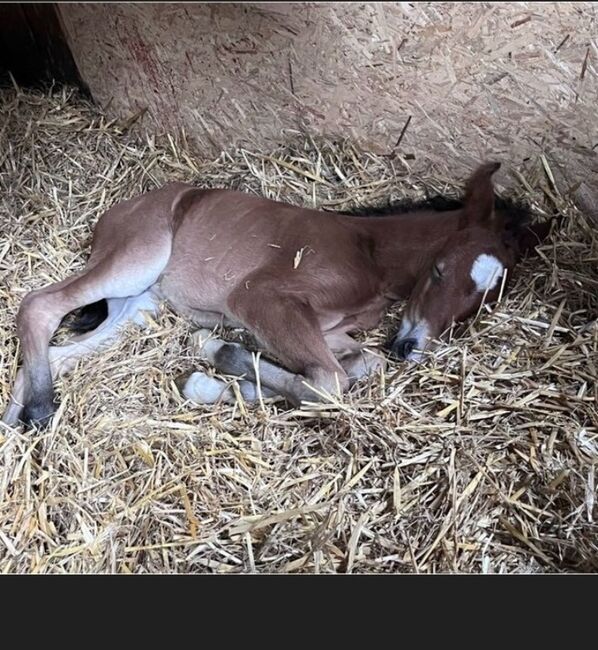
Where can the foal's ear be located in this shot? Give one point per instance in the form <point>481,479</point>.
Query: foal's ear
<point>478,206</point>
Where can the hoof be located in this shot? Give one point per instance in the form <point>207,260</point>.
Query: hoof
<point>38,414</point>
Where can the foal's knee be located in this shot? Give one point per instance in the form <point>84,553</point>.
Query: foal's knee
<point>37,310</point>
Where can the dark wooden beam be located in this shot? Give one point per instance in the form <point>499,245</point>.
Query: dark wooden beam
<point>34,48</point>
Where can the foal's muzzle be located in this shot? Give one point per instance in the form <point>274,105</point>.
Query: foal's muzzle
<point>401,348</point>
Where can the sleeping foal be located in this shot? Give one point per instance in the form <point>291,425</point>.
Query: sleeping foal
<point>299,280</point>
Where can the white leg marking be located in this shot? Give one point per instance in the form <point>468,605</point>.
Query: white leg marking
<point>206,345</point>
<point>203,389</point>
<point>200,388</point>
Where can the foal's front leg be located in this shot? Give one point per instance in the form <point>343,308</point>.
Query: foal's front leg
<point>201,388</point>
<point>234,359</point>
<point>288,328</point>
<point>355,359</point>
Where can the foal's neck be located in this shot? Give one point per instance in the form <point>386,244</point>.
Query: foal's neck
<point>403,244</point>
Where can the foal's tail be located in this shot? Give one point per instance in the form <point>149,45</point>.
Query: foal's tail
<point>88,317</point>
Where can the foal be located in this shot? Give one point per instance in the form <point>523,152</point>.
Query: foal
<point>299,280</point>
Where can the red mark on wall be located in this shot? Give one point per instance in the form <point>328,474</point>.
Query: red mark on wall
<point>158,80</point>
<point>141,53</point>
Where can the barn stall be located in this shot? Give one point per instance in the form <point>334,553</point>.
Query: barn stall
<point>480,460</point>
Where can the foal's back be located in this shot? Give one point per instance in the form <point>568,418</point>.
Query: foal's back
<point>222,239</point>
<point>257,230</point>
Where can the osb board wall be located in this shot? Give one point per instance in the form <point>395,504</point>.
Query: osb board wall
<point>471,80</point>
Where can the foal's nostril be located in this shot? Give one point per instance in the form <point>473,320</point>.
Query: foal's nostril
<point>388,345</point>
<point>404,347</point>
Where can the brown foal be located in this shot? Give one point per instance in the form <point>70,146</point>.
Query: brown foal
<point>299,280</point>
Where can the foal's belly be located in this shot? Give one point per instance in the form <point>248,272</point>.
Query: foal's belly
<point>191,291</point>
<point>201,272</point>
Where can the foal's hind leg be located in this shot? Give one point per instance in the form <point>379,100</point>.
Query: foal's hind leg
<point>121,274</point>
<point>64,357</point>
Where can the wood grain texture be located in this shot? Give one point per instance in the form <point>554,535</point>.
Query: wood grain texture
<point>471,80</point>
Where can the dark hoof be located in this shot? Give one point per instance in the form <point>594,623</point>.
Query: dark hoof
<point>232,359</point>
<point>38,414</point>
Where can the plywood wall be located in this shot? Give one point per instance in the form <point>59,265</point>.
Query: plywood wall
<point>471,80</point>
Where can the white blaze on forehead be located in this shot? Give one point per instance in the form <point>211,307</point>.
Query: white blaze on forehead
<point>486,272</point>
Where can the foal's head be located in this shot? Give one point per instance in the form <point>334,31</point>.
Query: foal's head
<point>469,269</point>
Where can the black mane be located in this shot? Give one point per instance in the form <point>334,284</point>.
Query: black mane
<point>438,203</point>
<point>518,213</point>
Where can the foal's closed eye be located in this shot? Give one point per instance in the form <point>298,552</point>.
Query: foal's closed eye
<point>436,272</point>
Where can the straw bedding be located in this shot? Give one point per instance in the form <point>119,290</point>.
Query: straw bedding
<point>483,459</point>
